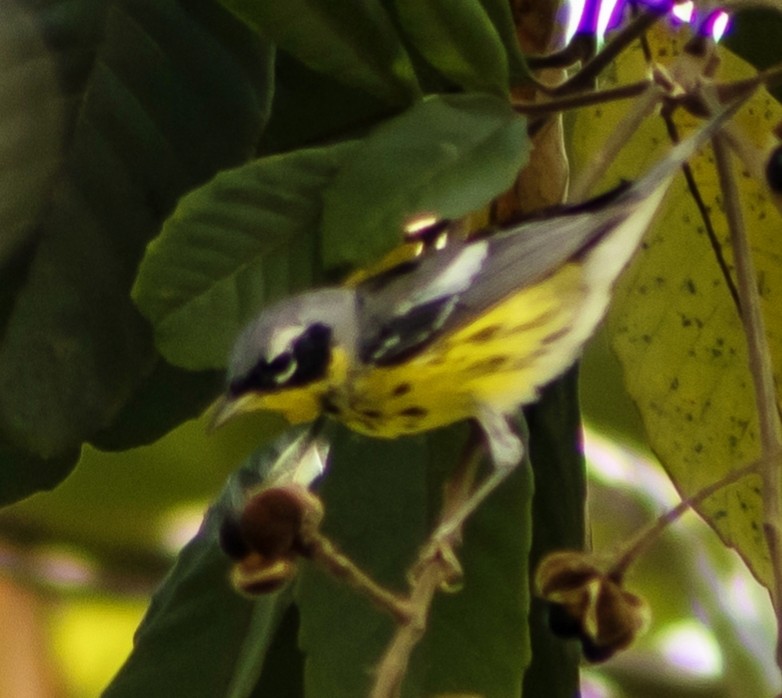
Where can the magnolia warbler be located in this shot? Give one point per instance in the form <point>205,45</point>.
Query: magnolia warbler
<point>472,330</point>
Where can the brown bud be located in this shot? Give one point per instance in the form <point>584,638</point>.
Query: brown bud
<point>587,603</point>
<point>267,536</point>
<point>273,520</point>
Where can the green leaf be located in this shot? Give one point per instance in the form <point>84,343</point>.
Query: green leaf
<point>164,399</point>
<point>242,240</point>
<point>755,35</point>
<point>448,155</point>
<point>458,39</point>
<point>377,496</point>
<point>22,474</point>
<point>283,670</point>
<point>174,94</point>
<point>477,641</point>
<point>352,40</point>
<point>499,12</point>
<point>300,92</point>
<point>32,128</point>
<point>199,636</point>
<point>376,510</point>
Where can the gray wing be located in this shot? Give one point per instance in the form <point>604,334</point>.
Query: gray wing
<point>410,306</point>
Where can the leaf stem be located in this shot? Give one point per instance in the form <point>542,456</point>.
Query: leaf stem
<point>762,375</point>
<point>645,538</point>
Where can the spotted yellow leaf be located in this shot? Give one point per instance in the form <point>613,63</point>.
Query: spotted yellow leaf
<point>674,323</point>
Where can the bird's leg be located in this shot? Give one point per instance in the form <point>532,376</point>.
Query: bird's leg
<point>506,450</point>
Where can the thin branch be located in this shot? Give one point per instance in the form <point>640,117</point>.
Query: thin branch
<point>636,546</point>
<point>762,377</point>
<point>391,671</point>
<point>618,43</point>
<point>435,568</point>
<point>728,91</point>
<point>617,140</point>
<point>580,48</point>
<point>585,99</point>
<point>752,314</point>
<point>323,552</point>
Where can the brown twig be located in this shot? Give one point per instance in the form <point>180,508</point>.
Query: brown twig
<point>580,48</point>
<point>645,538</point>
<point>762,376</point>
<point>435,568</point>
<point>606,154</point>
<point>324,553</point>
<point>618,43</point>
<point>577,101</point>
<point>393,666</point>
<point>727,92</point>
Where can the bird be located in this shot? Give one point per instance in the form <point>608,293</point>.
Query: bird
<point>471,329</point>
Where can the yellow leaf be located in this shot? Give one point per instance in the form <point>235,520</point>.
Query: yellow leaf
<point>674,323</point>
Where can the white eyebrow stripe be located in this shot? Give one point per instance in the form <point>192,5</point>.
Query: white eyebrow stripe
<point>282,339</point>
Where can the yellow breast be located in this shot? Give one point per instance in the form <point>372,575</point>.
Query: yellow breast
<point>502,359</point>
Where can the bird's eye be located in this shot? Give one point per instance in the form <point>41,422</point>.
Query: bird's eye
<point>774,170</point>
<point>282,367</point>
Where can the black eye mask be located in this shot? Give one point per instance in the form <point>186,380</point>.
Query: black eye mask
<point>307,361</point>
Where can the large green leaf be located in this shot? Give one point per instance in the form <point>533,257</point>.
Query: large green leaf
<point>164,399</point>
<point>48,50</point>
<point>343,110</point>
<point>459,40</point>
<point>21,473</point>
<point>447,155</point>
<point>174,94</point>
<point>755,35</point>
<point>243,239</point>
<point>376,510</point>
<point>199,636</point>
<point>377,497</point>
<point>499,12</point>
<point>283,670</point>
<point>478,642</point>
<point>352,40</point>
<point>32,125</point>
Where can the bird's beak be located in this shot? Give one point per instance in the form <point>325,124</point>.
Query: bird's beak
<point>224,409</point>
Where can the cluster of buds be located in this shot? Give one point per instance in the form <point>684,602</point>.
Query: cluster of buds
<point>588,603</point>
<point>268,536</point>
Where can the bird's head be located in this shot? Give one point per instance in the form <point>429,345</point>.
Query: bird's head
<point>286,359</point>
